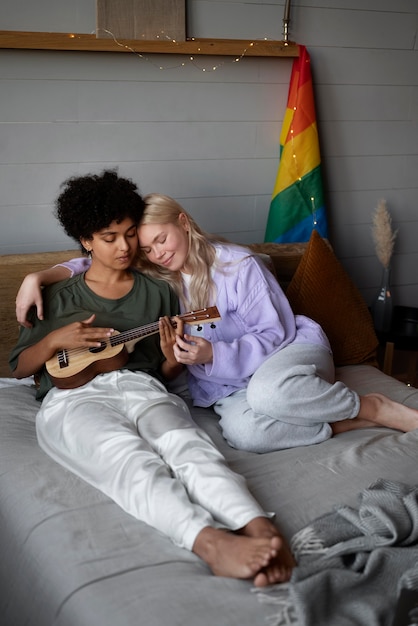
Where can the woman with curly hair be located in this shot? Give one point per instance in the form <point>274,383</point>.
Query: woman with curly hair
<point>121,430</point>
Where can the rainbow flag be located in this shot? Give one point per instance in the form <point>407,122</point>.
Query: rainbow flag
<point>297,205</point>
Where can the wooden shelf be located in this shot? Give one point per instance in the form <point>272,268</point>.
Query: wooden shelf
<point>23,40</point>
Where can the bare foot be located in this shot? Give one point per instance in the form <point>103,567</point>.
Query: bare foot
<point>234,556</point>
<point>279,569</point>
<point>386,412</point>
<point>379,410</point>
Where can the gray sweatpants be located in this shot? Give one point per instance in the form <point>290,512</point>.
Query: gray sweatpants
<point>290,401</point>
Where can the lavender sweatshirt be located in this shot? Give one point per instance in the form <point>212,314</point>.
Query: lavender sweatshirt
<point>257,321</point>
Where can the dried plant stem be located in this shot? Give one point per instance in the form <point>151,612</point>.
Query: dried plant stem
<point>383,234</point>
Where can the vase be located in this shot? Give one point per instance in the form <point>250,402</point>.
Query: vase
<point>382,307</point>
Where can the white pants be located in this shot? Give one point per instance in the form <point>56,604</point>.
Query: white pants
<point>126,435</point>
<point>290,401</point>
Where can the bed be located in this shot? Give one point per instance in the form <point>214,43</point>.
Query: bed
<point>71,557</point>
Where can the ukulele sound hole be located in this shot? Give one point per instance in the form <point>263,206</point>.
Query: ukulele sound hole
<point>99,348</point>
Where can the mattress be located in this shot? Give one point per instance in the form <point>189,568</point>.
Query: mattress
<point>71,557</point>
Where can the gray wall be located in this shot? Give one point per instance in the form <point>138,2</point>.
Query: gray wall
<point>209,137</point>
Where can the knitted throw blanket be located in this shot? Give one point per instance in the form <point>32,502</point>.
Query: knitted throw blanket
<point>353,563</point>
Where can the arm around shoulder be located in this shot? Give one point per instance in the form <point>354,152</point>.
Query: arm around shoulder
<point>30,291</point>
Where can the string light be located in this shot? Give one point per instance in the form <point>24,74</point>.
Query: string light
<point>182,63</point>
<point>315,221</point>
<point>308,201</point>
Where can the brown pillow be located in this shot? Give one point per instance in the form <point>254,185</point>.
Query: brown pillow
<point>322,290</point>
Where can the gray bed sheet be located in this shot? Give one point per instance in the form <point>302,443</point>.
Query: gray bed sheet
<point>69,556</point>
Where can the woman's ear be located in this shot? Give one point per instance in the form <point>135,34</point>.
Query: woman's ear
<point>86,244</point>
<point>184,222</point>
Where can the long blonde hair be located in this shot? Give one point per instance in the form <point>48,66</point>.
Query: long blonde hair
<point>160,209</point>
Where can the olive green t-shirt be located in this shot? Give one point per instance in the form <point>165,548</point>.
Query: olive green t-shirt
<point>72,300</point>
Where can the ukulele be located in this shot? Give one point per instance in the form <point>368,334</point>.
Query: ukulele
<point>70,368</point>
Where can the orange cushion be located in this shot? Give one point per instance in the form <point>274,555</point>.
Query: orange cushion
<point>322,290</point>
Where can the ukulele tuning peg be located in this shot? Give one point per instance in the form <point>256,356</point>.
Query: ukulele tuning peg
<point>199,328</point>
<point>213,325</point>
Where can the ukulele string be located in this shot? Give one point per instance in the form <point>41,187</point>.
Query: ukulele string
<point>128,335</point>
<point>110,342</point>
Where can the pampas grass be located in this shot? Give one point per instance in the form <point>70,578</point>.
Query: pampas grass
<point>383,234</point>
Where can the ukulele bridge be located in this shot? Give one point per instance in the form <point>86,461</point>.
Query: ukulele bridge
<point>62,356</point>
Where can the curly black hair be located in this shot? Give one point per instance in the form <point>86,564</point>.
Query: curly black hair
<point>90,203</point>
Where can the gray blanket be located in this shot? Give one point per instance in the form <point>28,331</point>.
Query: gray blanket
<point>353,563</point>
